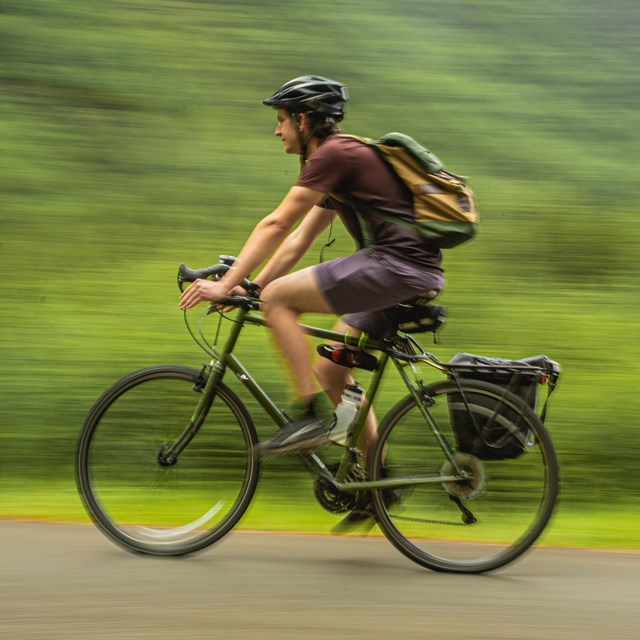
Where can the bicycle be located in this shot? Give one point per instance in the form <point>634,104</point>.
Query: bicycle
<point>167,464</point>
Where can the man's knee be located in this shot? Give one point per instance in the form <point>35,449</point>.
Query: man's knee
<point>274,299</point>
<point>297,292</point>
<point>272,292</point>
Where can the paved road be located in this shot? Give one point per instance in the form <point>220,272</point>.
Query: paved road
<point>66,582</point>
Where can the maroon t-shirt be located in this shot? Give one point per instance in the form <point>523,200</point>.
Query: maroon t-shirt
<point>350,168</point>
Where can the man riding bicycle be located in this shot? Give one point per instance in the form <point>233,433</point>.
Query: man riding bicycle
<point>361,287</point>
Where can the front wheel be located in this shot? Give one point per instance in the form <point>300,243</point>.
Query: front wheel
<point>472,515</point>
<point>142,499</point>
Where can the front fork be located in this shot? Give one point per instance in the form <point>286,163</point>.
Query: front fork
<point>205,386</point>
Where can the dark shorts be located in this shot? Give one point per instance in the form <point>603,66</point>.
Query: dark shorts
<point>363,286</point>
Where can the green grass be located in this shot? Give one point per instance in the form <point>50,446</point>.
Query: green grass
<point>611,528</point>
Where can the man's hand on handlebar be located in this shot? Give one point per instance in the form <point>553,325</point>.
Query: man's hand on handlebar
<point>205,291</point>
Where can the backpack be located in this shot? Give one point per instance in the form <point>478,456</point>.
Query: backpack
<point>445,208</point>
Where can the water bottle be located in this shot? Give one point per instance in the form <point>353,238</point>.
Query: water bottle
<point>345,414</point>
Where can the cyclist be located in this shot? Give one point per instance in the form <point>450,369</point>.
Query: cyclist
<point>361,287</point>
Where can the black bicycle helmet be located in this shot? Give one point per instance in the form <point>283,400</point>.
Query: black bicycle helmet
<point>311,93</point>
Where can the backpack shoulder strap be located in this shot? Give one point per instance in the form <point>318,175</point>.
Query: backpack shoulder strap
<point>406,158</point>
<point>390,141</point>
<point>358,138</point>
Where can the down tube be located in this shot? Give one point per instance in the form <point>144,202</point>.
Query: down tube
<point>256,390</point>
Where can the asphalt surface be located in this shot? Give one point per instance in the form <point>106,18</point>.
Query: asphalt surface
<point>67,582</point>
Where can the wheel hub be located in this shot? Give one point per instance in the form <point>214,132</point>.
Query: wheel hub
<point>474,482</point>
<point>165,460</point>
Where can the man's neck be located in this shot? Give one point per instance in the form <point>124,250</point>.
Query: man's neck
<point>312,145</point>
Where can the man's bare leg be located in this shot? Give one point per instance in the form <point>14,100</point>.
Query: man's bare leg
<point>283,301</point>
<point>333,378</point>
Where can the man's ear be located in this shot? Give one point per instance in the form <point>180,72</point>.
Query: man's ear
<point>304,122</point>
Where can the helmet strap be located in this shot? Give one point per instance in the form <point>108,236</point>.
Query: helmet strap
<point>303,141</point>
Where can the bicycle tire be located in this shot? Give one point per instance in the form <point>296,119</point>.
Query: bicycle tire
<point>511,500</point>
<point>145,506</point>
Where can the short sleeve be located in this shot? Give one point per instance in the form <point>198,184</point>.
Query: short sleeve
<point>327,168</point>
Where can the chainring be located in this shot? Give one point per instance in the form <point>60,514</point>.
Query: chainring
<point>332,499</point>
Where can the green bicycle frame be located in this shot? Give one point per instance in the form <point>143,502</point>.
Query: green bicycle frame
<point>225,359</point>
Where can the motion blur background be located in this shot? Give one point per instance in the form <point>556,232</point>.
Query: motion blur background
<point>133,138</point>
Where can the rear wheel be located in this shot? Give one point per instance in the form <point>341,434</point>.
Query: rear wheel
<point>145,502</point>
<point>476,515</point>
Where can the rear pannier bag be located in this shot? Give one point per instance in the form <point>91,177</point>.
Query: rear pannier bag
<point>495,432</point>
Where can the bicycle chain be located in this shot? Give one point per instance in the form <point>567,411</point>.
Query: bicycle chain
<point>422,520</point>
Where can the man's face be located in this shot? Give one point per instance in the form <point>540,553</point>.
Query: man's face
<point>287,132</point>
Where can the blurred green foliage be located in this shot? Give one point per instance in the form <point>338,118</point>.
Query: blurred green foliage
<point>133,138</point>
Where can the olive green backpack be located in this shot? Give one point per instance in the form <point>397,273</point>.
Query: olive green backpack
<point>445,208</point>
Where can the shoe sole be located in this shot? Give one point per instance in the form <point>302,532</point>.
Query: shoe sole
<point>363,525</point>
<point>365,519</point>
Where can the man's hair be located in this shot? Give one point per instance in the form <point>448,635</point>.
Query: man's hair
<point>322,126</point>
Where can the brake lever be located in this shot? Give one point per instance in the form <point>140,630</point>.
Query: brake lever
<point>246,302</point>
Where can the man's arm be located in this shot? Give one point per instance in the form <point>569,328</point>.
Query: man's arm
<point>295,245</point>
<point>264,239</point>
